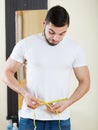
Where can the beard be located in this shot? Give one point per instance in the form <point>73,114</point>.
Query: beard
<point>50,43</point>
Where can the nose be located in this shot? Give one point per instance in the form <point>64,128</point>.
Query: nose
<point>56,37</point>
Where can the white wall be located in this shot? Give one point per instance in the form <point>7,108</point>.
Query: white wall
<point>3,95</point>
<point>84,30</point>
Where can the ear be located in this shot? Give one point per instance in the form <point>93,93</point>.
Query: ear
<point>44,23</point>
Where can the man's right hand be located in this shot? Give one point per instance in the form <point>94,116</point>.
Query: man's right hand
<point>31,101</point>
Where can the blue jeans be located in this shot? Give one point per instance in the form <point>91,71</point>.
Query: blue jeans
<point>28,124</point>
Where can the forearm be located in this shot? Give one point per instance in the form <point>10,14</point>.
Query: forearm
<point>13,83</point>
<point>80,91</point>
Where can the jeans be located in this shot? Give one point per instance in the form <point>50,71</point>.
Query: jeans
<point>28,124</point>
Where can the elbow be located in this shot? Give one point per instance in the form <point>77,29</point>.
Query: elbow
<point>87,86</point>
<point>5,75</point>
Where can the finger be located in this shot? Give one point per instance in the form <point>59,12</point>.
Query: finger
<point>56,106</point>
<point>35,101</point>
<point>32,105</point>
<point>50,110</point>
<point>35,104</point>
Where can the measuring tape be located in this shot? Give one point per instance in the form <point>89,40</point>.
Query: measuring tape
<point>48,104</point>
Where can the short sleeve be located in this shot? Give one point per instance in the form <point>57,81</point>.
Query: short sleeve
<point>80,58</point>
<point>18,52</point>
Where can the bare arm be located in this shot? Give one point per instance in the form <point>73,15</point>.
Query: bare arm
<point>10,69</point>
<point>7,76</point>
<point>82,75</point>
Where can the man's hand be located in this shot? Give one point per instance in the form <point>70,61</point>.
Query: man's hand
<point>59,107</point>
<point>31,101</point>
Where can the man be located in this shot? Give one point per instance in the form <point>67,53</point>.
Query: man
<point>50,57</point>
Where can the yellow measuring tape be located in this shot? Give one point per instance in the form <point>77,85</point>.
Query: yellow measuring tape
<point>48,104</point>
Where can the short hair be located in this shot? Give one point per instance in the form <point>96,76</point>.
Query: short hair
<point>58,16</point>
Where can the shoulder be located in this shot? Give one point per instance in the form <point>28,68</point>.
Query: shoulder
<point>29,41</point>
<point>30,38</point>
<point>72,44</point>
<point>75,49</point>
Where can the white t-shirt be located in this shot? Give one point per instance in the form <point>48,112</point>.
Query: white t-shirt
<point>48,71</point>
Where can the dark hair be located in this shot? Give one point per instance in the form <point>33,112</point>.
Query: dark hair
<point>58,16</point>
